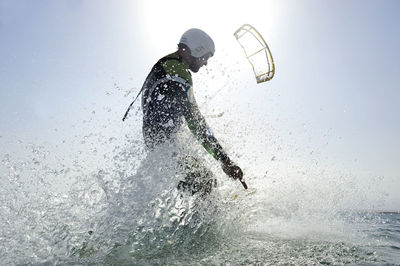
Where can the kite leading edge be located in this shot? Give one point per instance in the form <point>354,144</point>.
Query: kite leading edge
<point>257,52</point>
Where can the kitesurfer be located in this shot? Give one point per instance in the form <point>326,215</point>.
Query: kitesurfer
<point>168,97</point>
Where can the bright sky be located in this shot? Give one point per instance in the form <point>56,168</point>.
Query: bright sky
<point>336,70</point>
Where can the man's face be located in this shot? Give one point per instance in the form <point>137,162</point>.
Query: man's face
<point>197,62</point>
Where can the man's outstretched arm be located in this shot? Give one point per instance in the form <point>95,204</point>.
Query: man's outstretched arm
<point>200,129</point>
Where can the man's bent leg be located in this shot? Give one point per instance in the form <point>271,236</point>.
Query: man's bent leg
<point>198,178</point>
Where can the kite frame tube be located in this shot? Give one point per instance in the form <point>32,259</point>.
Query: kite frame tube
<point>247,28</point>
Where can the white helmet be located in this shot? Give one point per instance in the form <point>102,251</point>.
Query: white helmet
<point>198,42</point>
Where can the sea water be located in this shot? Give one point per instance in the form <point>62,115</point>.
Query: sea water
<point>130,212</point>
<point>107,201</point>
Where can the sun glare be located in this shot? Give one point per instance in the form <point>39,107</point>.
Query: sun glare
<point>165,21</point>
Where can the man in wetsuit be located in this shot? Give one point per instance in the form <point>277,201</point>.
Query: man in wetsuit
<point>168,97</point>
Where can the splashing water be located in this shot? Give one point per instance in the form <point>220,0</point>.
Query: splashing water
<point>111,202</point>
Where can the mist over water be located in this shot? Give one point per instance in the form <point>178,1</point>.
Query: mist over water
<point>100,197</point>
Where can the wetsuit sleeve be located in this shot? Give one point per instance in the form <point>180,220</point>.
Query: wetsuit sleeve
<point>198,126</point>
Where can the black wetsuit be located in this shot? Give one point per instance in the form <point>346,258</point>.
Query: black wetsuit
<point>167,98</point>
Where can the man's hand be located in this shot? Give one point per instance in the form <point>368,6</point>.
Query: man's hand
<point>232,170</point>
